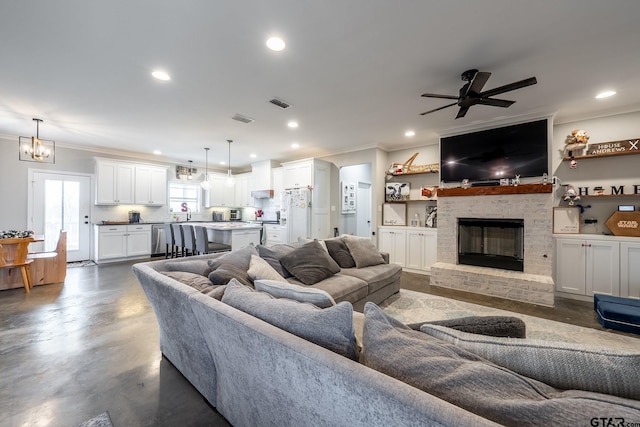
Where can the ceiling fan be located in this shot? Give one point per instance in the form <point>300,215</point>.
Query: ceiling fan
<point>470,93</point>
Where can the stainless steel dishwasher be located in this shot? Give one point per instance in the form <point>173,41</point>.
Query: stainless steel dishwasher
<point>158,240</point>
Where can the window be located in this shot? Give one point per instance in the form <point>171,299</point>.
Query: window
<point>183,197</point>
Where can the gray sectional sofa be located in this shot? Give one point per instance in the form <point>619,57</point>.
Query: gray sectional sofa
<point>255,373</point>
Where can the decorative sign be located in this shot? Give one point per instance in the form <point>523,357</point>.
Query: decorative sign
<point>394,214</point>
<point>428,192</point>
<point>566,220</point>
<point>613,148</point>
<point>624,224</point>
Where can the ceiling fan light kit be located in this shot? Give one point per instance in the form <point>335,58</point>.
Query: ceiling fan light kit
<point>471,93</point>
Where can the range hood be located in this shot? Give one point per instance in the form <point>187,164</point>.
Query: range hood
<point>262,194</point>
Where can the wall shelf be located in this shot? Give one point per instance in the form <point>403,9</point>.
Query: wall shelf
<point>496,190</point>
<point>619,148</point>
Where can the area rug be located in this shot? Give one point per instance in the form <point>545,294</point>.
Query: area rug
<point>102,420</point>
<point>412,307</point>
<point>80,264</point>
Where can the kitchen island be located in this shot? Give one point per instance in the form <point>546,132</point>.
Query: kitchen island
<point>236,234</point>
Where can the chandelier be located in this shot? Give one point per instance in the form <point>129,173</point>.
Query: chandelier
<point>34,149</point>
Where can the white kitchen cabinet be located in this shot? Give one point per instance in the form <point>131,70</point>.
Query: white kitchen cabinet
<point>275,234</point>
<point>278,187</point>
<point>394,242</point>
<point>585,266</point>
<point>116,242</point>
<point>422,244</point>
<point>298,174</point>
<point>150,185</point>
<point>630,269</point>
<point>242,238</point>
<point>220,193</point>
<point>243,190</point>
<point>114,183</point>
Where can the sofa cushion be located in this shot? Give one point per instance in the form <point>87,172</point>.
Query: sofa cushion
<point>279,289</point>
<point>273,254</point>
<point>494,326</point>
<point>194,280</point>
<point>363,251</point>
<point>310,263</point>
<point>562,365</point>
<point>340,287</point>
<point>377,276</point>
<point>340,252</point>
<point>216,291</point>
<point>303,241</point>
<point>196,266</point>
<point>331,328</point>
<point>239,258</point>
<point>472,383</point>
<point>224,273</point>
<point>260,269</point>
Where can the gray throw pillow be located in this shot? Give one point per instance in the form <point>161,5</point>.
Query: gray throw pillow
<point>495,326</point>
<point>273,254</point>
<point>240,258</point>
<point>559,364</point>
<point>331,328</point>
<point>196,266</point>
<point>363,251</point>
<point>260,269</point>
<point>460,377</point>
<point>339,251</point>
<point>223,274</point>
<point>196,281</point>
<point>310,263</point>
<point>280,289</point>
<point>217,292</point>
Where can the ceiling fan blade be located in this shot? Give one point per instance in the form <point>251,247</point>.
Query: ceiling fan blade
<point>462,112</point>
<point>506,88</point>
<point>479,81</point>
<point>435,95</point>
<point>438,109</point>
<point>495,102</point>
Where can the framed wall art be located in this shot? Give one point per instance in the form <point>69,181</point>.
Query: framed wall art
<point>397,191</point>
<point>566,220</point>
<point>348,197</point>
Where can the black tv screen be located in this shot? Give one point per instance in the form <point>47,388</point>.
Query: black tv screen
<point>492,154</point>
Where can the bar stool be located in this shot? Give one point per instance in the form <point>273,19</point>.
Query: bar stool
<point>204,246</point>
<point>170,247</point>
<point>189,239</point>
<point>178,239</point>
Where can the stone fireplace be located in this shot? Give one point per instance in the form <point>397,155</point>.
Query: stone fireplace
<point>493,216</point>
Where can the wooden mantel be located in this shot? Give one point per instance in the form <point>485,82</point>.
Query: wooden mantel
<point>496,190</point>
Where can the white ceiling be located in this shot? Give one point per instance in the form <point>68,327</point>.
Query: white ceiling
<point>354,70</point>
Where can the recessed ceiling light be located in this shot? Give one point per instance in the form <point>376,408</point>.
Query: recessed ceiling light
<point>295,145</point>
<point>157,152</point>
<point>161,75</point>
<point>275,43</point>
<point>605,94</point>
<point>222,162</point>
<point>409,133</point>
<point>292,124</point>
<point>252,155</point>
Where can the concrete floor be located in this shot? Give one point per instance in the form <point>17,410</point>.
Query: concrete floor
<point>68,353</point>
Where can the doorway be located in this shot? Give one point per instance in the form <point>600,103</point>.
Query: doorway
<point>61,201</point>
<point>363,210</point>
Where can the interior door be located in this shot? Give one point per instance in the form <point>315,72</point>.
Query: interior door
<point>363,210</point>
<point>61,201</point>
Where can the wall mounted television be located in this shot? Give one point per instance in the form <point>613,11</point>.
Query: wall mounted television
<point>494,154</point>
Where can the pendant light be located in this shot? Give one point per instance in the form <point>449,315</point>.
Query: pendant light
<point>229,181</point>
<point>34,149</point>
<point>205,184</point>
<point>190,174</point>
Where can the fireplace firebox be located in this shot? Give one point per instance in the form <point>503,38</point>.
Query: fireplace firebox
<point>495,243</point>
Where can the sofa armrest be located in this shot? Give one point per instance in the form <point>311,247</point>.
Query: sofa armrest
<point>385,257</point>
<point>495,326</point>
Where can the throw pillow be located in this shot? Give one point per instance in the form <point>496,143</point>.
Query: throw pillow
<point>331,328</point>
<point>239,258</point>
<point>304,241</point>
<point>339,251</point>
<point>495,326</point>
<point>217,292</point>
<point>273,254</point>
<point>281,289</point>
<point>363,251</point>
<point>196,266</point>
<point>460,377</point>
<point>559,364</point>
<point>260,269</point>
<point>196,281</point>
<point>223,274</point>
<point>310,263</point>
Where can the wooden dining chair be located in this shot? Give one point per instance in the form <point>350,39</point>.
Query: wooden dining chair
<point>13,254</point>
<point>51,266</point>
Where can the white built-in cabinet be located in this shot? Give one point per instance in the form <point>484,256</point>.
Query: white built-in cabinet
<point>243,184</point>
<point>413,248</point>
<point>220,192</point>
<point>119,183</point>
<point>116,242</point>
<point>278,185</point>
<point>587,264</point>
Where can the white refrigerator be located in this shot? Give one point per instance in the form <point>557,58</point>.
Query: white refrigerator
<point>295,213</point>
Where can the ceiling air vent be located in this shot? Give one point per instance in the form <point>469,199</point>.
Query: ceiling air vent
<point>243,119</point>
<point>279,103</point>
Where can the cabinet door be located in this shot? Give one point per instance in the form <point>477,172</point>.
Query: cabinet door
<point>154,192</point>
<point>298,175</point>
<point>220,193</point>
<point>138,243</point>
<point>393,242</point>
<point>630,270</point>
<point>106,173</point>
<point>112,245</point>
<point>277,186</point>
<point>602,267</point>
<point>430,254</point>
<point>242,238</point>
<point>124,184</point>
<point>242,192</point>
<point>415,250</point>
<point>570,266</point>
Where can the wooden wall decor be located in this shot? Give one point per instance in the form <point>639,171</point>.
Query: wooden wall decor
<point>624,224</point>
<point>612,148</point>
